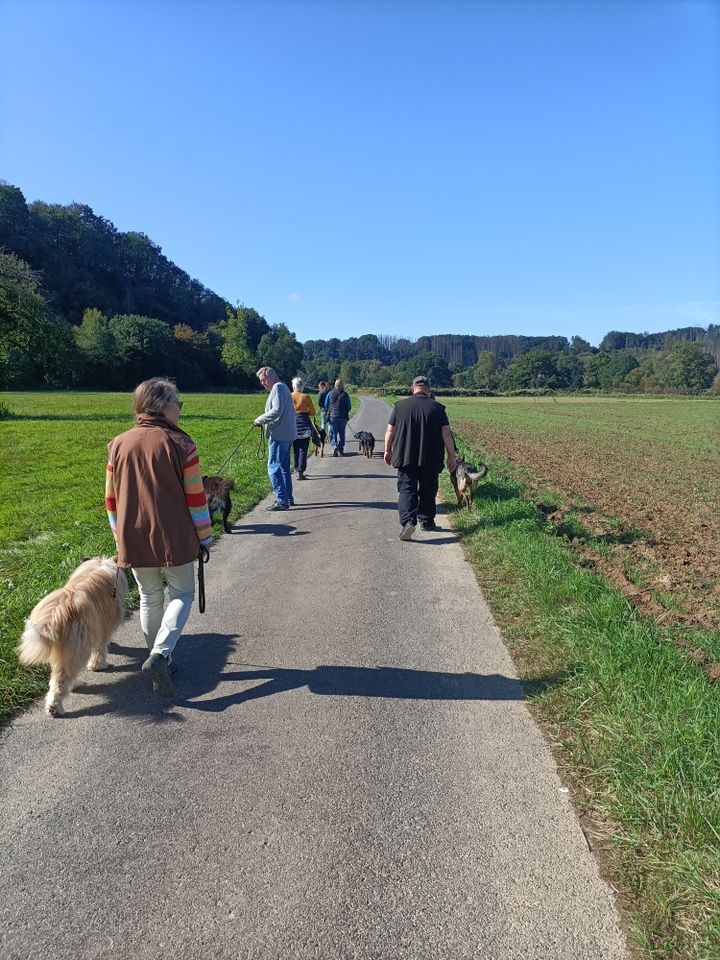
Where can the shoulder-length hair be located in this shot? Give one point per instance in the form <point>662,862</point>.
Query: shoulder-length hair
<point>154,396</point>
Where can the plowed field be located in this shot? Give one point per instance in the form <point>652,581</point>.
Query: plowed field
<point>642,476</point>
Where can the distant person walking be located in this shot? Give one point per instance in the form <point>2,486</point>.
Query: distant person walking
<point>279,423</point>
<point>417,435</point>
<point>323,391</point>
<point>337,404</point>
<point>159,518</point>
<point>304,410</point>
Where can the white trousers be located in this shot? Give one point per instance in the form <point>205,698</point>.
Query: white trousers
<point>162,629</point>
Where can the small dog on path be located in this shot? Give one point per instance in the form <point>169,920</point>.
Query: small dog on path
<point>217,493</point>
<point>464,477</point>
<point>71,627</point>
<point>319,437</point>
<point>367,443</point>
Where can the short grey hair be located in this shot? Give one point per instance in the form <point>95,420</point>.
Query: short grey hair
<point>298,383</point>
<point>268,372</point>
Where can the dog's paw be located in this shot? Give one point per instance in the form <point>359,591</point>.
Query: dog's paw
<point>97,662</point>
<point>54,708</point>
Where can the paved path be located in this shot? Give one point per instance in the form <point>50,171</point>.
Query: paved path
<point>350,771</point>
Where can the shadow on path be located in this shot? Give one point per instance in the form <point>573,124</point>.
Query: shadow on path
<point>383,682</point>
<point>126,692</point>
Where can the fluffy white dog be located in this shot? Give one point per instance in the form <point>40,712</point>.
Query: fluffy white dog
<point>72,626</point>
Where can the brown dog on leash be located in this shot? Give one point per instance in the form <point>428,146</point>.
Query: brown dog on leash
<point>217,493</point>
<point>464,477</point>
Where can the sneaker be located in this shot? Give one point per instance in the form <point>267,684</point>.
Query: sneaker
<point>335,452</point>
<point>428,527</point>
<point>407,531</point>
<point>158,669</point>
<point>277,506</point>
<point>301,476</point>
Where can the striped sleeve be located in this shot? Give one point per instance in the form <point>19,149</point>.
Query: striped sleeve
<point>195,497</point>
<point>110,503</point>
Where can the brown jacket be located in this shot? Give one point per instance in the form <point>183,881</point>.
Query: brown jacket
<point>154,526</point>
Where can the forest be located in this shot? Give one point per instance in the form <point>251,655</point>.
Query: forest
<point>84,305</point>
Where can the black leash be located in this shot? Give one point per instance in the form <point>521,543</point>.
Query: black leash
<point>204,554</point>
<point>203,558</point>
<point>235,450</point>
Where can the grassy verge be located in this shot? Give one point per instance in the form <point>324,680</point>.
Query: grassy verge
<point>637,721</point>
<point>52,464</point>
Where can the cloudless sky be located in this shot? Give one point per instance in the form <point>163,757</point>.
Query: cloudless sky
<point>389,167</point>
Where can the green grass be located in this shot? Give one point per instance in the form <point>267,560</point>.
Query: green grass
<point>52,513</point>
<point>638,722</point>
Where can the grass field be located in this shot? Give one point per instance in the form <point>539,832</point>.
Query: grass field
<point>620,683</point>
<point>52,512</point>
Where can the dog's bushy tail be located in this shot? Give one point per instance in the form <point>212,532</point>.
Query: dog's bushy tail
<point>39,639</point>
<point>477,474</point>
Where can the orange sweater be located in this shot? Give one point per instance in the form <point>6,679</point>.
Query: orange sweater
<point>303,403</point>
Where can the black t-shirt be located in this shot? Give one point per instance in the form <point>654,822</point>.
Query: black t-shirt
<point>418,441</point>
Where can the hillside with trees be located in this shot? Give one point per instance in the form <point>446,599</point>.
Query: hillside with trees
<point>84,305</point>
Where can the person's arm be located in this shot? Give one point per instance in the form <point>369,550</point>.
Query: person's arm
<point>110,502</point>
<point>195,498</point>
<point>450,447</point>
<point>349,405</point>
<point>273,413</point>
<point>389,437</point>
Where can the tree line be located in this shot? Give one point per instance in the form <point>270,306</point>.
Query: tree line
<point>84,305</point>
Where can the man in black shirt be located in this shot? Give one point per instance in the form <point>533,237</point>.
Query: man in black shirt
<point>416,438</point>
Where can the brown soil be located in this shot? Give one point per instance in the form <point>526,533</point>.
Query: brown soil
<point>658,517</point>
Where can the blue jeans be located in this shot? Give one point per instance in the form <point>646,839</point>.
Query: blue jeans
<point>279,470</point>
<point>337,433</point>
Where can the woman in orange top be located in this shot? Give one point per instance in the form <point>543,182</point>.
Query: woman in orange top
<point>304,410</point>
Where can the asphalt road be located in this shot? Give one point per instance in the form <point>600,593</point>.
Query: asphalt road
<point>349,770</point>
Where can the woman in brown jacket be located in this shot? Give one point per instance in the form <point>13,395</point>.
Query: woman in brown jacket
<point>159,517</point>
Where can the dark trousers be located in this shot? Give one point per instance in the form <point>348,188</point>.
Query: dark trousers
<point>417,489</point>
<point>300,449</point>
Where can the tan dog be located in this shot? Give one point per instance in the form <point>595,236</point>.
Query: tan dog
<point>71,627</point>
<point>464,477</point>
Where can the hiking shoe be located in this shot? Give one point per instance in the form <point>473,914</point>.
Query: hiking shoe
<point>277,506</point>
<point>407,531</point>
<point>428,527</point>
<point>301,476</point>
<point>335,452</point>
<point>158,669</point>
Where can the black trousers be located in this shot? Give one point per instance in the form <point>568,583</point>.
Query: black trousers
<point>300,449</point>
<point>417,489</point>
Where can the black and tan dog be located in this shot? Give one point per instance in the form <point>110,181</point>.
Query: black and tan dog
<point>366,441</point>
<point>319,436</point>
<point>464,477</point>
<point>217,492</point>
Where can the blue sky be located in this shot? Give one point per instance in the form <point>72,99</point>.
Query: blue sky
<point>396,167</point>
